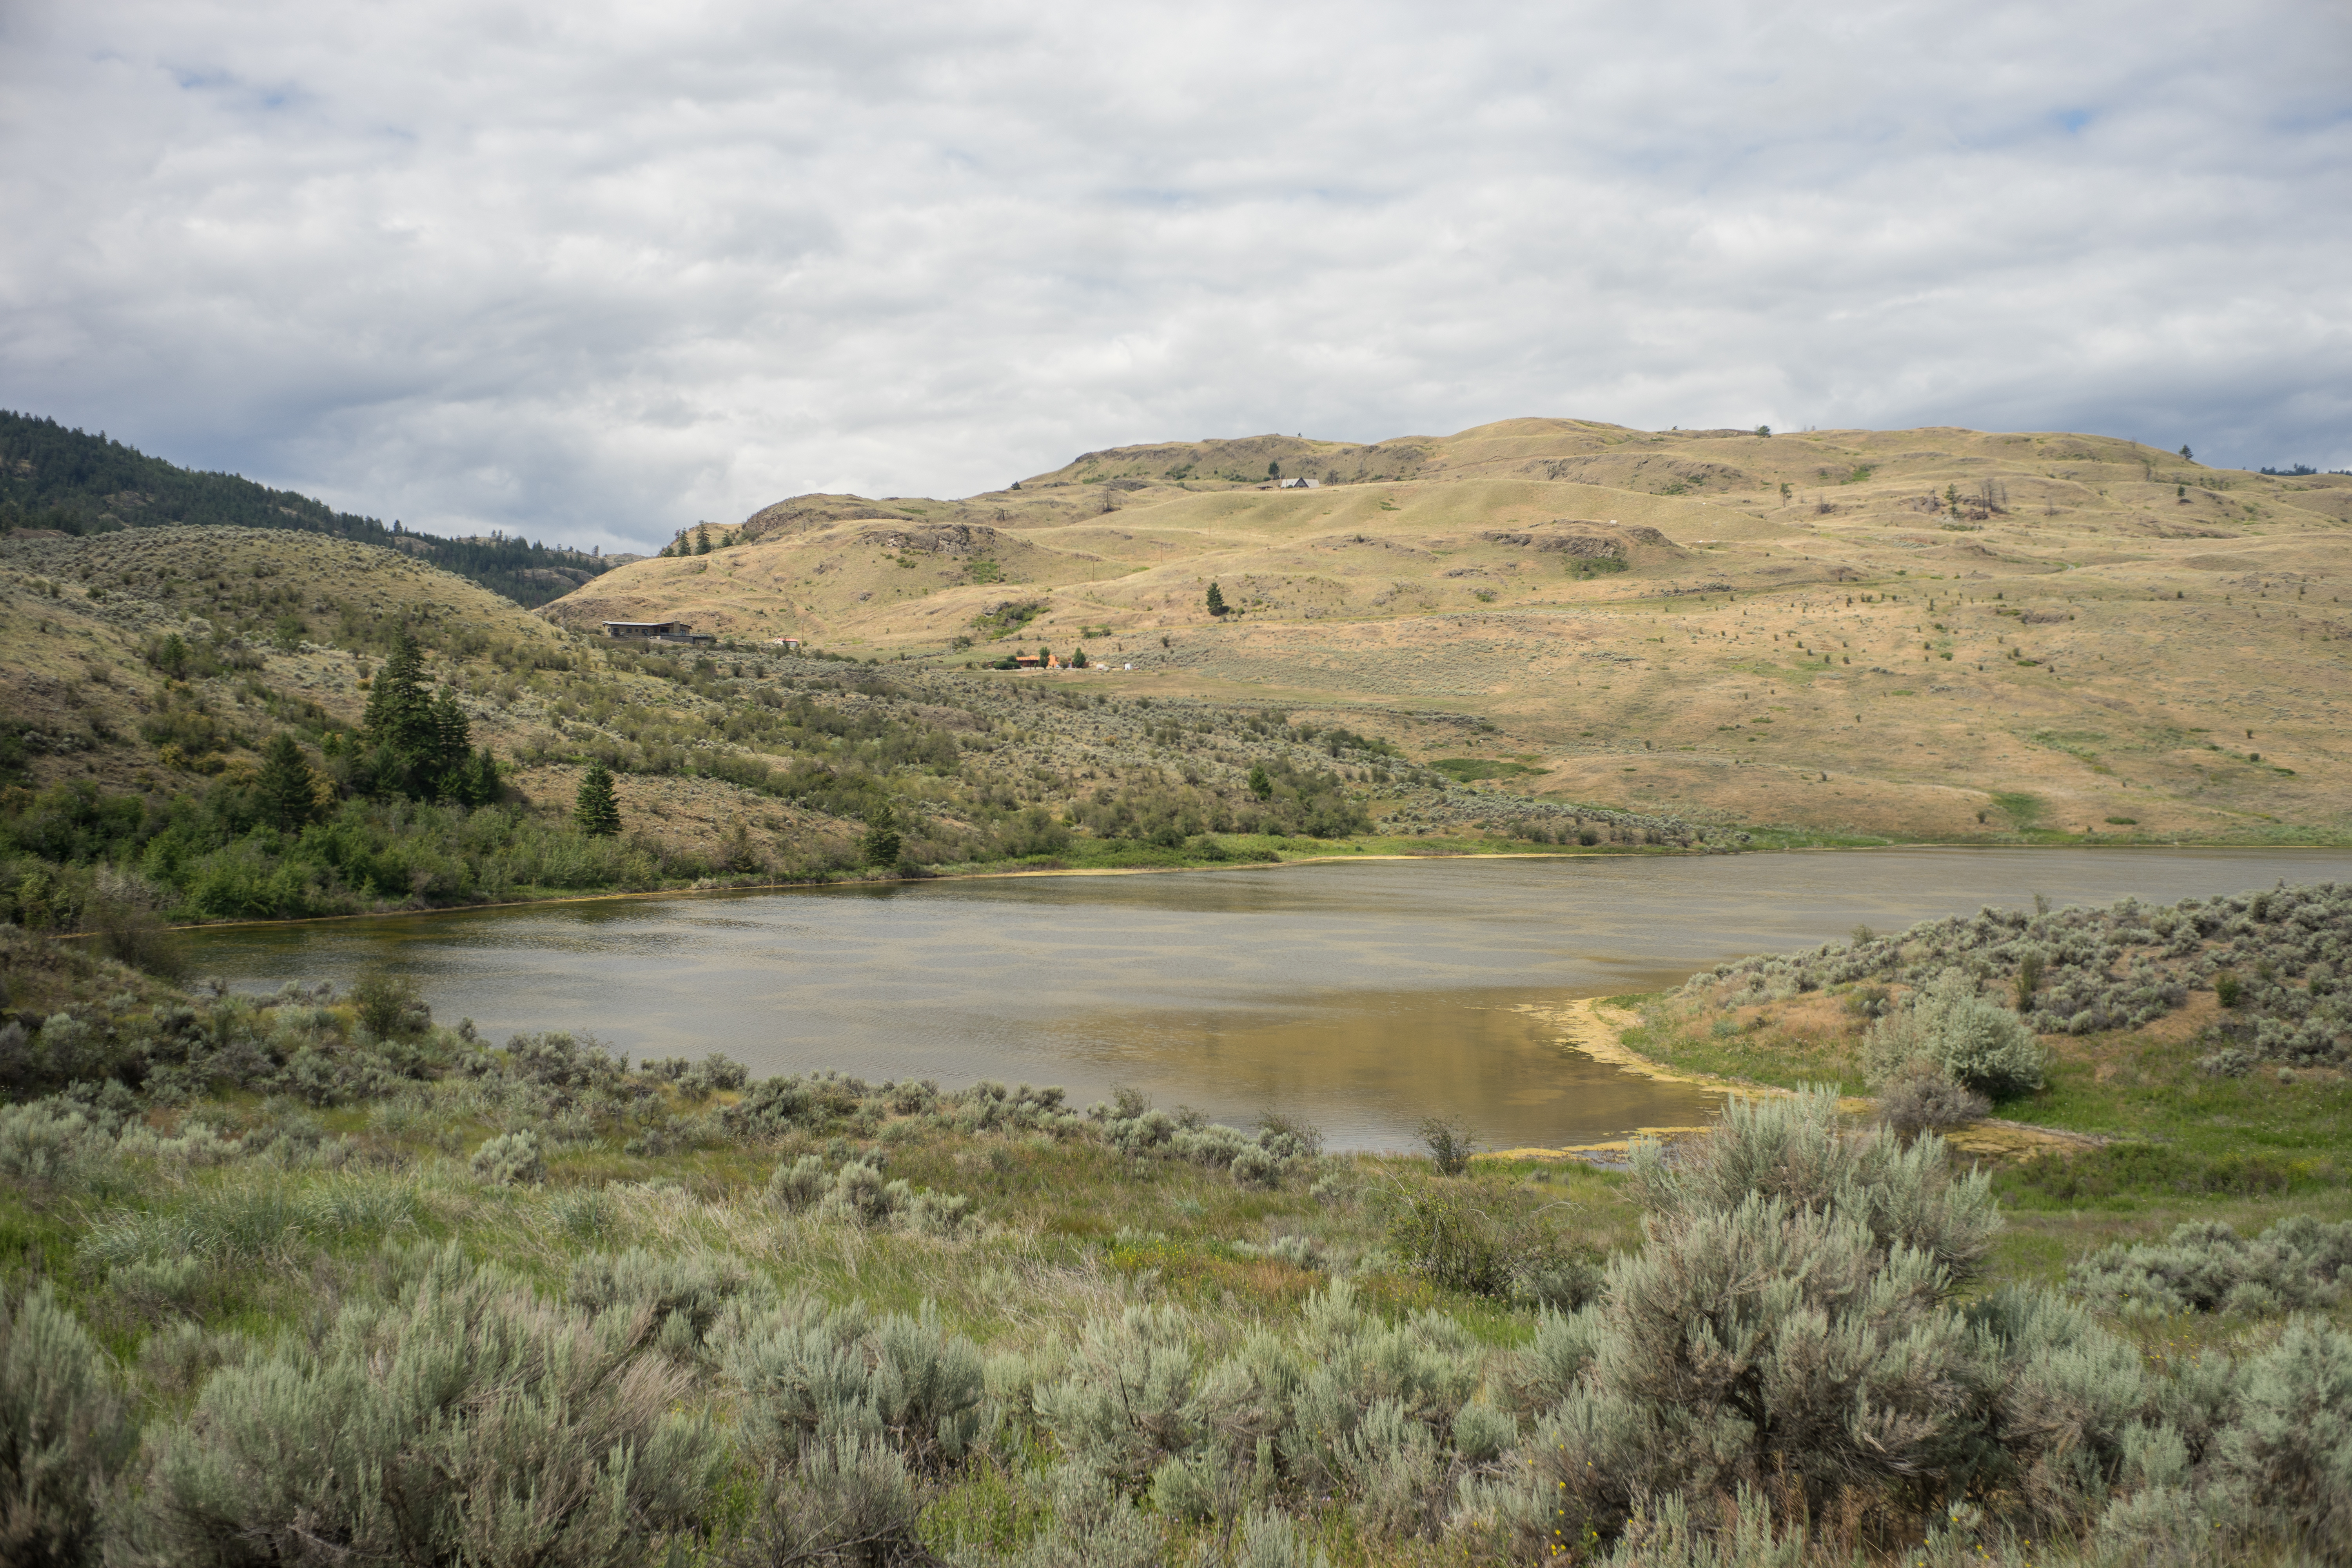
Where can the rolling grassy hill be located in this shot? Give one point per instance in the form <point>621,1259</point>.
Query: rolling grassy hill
<point>147,677</point>
<point>54,480</point>
<point>1940,633</point>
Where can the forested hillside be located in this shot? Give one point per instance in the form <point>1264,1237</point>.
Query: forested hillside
<point>69,481</point>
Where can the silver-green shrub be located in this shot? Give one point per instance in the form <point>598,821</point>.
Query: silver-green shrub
<point>1928,1103</point>
<point>511,1159</point>
<point>48,1140</point>
<point>843,1499</point>
<point>1788,1320</point>
<point>1793,1148</point>
<point>800,1185</point>
<point>65,1434</point>
<point>1951,1032</point>
<point>2206,1267</point>
<point>858,1192</point>
<point>2286,1454</point>
<point>2066,1409</point>
<point>465,1422</point>
<point>1131,1399</point>
<point>810,1374</point>
<point>1093,1527</point>
<point>672,1300</point>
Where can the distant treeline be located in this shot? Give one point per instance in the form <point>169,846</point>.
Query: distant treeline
<point>76,483</point>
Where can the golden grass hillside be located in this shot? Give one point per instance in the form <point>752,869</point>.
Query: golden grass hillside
<point>1938,632</point>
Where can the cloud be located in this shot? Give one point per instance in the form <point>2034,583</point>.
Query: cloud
<point>593,271</point>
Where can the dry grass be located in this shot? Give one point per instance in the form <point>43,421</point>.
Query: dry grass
<point>2168,608</point>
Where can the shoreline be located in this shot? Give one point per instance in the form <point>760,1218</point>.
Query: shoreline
<point>1590,1025</point>
<point>1647,853</point>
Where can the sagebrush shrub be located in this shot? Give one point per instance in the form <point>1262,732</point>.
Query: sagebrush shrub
<point>65,1434</point>
<point>1131,1398</point>
<point>811,1376</point>
<point>48,1140</point>
<point>466,1422</point>
<point>800,1185</point>
<point>857,1193</point>
<point>2286,1453</point>
<point>1951,1032</point>
<point>2066,1403</point>
<point>1792,1147</point>
<point>842,1499</point>
<point>511,1159</point>
<point>2206,1267</point>
<point>1929,1103</point>
<point>673,1300</point>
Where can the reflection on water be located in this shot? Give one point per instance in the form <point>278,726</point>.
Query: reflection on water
<point>1364,997</point>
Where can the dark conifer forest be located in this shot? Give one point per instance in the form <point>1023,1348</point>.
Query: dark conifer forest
<point>70,482</point>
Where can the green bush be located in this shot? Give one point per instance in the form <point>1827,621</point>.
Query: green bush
<point>390,1007</point>
<point>2285,1456</point>
<point>2206,1267</point>
<point>1792,1149</point>
<point>465,1423</point>
<point>1449,1143</point>
<point>1483,1245</point>
<point>65,1434</point>
<point>814,1378</point>
<point>671,1300</point>
<point>1950,1032</point>
<point>511,1159</point>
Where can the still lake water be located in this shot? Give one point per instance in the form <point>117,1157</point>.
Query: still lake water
<point>1363,996</point>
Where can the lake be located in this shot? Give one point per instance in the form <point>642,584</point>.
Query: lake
<point>1363,996</point>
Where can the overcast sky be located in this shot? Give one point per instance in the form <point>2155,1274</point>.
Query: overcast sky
<point>590,271</point>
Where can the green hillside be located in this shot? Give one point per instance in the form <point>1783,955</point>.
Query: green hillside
<point>69,481</point>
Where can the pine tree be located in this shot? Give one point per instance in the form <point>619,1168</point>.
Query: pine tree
<point>597,809</point>
<point>478,779</point>
<point>1078,659</point>
<point>285,789</point>
<point>1216,600</point>
<point>1260,785</point>
<point>399,715</point>
<point>882,842</point>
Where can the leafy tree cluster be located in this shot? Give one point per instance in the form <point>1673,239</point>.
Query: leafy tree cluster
<point>76,483</point>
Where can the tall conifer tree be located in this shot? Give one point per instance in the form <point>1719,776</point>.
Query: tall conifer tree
<point>597,809</point>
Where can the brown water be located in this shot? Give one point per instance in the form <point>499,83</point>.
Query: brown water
<point>1364,997</point>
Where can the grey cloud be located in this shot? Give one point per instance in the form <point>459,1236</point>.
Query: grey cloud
<point>592,273</point>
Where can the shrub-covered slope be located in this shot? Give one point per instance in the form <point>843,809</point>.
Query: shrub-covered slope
<point>2155,1053</point>
<point>154,679</point>
<point>2275,963</point>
